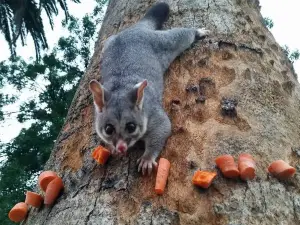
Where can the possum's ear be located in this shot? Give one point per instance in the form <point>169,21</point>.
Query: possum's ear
<point>99,93</point>
<point>138,94</point>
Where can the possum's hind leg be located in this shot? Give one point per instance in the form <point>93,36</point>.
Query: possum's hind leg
<point>173,42</point>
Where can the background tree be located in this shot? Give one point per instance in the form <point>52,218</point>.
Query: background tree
<point>268,22</point>
<point>292,55</point>
<point>240,62</point>
<point>55,79</point>
<point>18,18</point>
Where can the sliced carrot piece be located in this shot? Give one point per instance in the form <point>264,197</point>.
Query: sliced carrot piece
<point>246,166</point>
<point>162,175</point>
<point>45,178</point>
<point>224,160</point>
<point>247,171</point>
<point>18,212</point>
<point>53,190</point>
<point>227,166</point>
<point>95,154</point>
<point>286,174</point>
<point>245,156</point>
<point>203,178</point>
<point>231,172</point>
<point>33,199</point>
<point>101,154</point>
<point>281,169</point>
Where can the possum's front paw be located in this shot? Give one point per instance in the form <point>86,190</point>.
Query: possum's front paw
<point>146,164</point>
<point>113,150</point>
<point>202,32</point>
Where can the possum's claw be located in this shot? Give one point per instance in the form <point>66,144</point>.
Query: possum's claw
<point>113,150</point>
<point>202,32</point>
<point>146,165</point>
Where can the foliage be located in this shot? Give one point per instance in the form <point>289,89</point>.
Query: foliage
<point>18,18</point>
<point>54,79</point>
<point>292,55</point>
<point>268,22</point>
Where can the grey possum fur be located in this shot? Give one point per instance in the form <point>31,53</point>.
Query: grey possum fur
<point>128,100</point>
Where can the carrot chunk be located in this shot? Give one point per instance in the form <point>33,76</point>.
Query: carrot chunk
<point>101,155</point>
<point>227,166</point>
<point>281,169</point>
<point>53,190</point>
<point>246,166</point>
<point>33,199</point>
<point>18,212</point>
<point>162,175</point>
<point>203,178</point>
<point>45,178</point>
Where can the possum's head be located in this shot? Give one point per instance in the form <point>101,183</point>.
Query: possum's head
<point>120,120</point>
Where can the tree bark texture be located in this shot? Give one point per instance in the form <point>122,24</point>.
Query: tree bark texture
<point>242,64</point>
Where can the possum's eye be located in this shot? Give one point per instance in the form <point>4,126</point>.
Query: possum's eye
<point>130,127</point>
<point>109,129</point>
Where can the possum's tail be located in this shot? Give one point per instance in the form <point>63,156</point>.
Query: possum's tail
<point>156,16</point>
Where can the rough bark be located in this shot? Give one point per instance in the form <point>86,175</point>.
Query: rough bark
<point>240,62</point>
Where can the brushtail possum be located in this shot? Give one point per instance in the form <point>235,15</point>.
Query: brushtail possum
<point>128,101</point>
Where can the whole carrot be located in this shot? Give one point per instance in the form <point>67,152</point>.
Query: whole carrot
<point>281,169</point>
<point>18,212</point>
<point>53,190</point>
<point>227,166</point>
<point>246,166</point>
<point>45,178</point>
<point>101,154</point>
<point>203,178</point>
<point>33,199</point>
<point>162,175</point>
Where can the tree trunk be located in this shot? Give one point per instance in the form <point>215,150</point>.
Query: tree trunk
<point>240,63</point>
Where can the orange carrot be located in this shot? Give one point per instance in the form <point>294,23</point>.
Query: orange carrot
<point>53,190</point>
<point>33,199</point>
<point>227,166</point>
<point>203,178</point>
<point>45,178</point>
<point>162,175</point>
<point>281,169</point>
<point>101,154</point>
<point>18,212</point>
<point>246,166</point>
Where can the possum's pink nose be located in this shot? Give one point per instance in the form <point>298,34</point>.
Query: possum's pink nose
<point>121,146</point>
